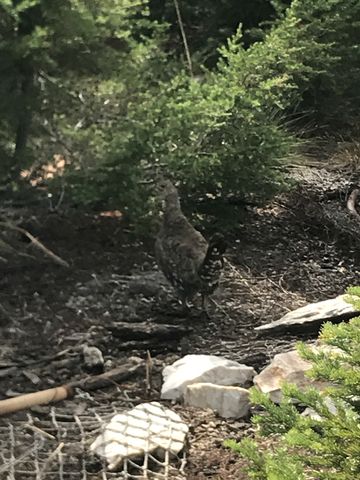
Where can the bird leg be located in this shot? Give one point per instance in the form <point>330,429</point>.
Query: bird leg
<point>204,302</point>
<point>186,306</point>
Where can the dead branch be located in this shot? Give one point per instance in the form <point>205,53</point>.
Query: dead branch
<point>37,398</point>
<point>36,242</point>
<point>7,248</point>
<point>183,35</point>
<point>112,377</point>
<point>35,429</point>
<point>148,372</point>
<point>63,392</point>
<point>51,458</point>
<point>351,203</point>
<point>145,331</point>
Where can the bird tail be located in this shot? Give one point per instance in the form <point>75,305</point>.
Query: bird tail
<point>213,262</point>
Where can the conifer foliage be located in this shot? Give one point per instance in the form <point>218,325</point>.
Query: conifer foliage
<point>326,444</point>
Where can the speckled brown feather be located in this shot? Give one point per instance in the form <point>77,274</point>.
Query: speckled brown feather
<point>181,250</point>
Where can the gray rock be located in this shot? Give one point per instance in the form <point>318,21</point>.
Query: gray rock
<point>310,412</point>
<point>336,309</point>
<point>286,367</point>
<point>203,369</point>
<point>228,402</point>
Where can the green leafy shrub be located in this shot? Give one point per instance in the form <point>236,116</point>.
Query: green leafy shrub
<point>214,137</point>
<point>227,134</point>
<point>309,59</point>
<point>107,93</point>
<point>277,465</point>
<point>325,446</point>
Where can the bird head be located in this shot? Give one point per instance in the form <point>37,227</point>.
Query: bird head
<point>165,186</point>
<point>167,193</point>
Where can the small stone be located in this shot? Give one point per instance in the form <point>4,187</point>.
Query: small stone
<point>203,369</point>
<point>93,359</point>
<point>32,377</point>
<point>227,401</point>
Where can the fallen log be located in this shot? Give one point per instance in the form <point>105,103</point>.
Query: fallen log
<point>41,397</point>
<point>147,330</point>
<point>56,394</point>
<point>109,378</point>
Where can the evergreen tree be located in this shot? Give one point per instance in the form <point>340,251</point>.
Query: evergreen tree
<point>325,445</point>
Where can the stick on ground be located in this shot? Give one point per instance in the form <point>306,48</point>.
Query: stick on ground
<point>36,242</point>
<point>56,394</point>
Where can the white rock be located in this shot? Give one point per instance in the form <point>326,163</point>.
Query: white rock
<point>289,367</point>
<point>228,402</point>
<point>335,309</point>
<point>147,428</point>
<point>93,358</point>
<point>202,369</point>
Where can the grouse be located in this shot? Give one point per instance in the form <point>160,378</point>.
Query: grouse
<point>188,261</point>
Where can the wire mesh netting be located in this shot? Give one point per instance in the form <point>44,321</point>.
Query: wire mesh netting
<point>55,446</point>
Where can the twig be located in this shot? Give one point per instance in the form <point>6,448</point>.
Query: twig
<point>51,459</point>
<point>48,358</point>
<point>61,198</point>
<point>148,369</point>
<point>62,88</point>
<point>7,248</point>
<point>112,377</point>
<point>239,276</point>
<point>36,242</point>
<point>9,467</point>
<point>186,46</point>
<point>53,133</point>
<point>55,208</point>
<point>220,308</point>
<point>41,432</point>
<point>83,444</point>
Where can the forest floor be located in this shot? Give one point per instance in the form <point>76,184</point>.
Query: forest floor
<point>295,250</point>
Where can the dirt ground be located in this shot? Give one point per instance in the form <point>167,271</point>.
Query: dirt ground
<point>281,256</point>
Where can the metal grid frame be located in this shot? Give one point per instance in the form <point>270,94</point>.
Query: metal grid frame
<point>57,448</point>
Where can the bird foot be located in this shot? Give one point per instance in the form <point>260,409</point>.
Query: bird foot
<point>185,307</point>
<point>205,315</point>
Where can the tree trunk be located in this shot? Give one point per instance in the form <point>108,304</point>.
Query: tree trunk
<point>24,119</point>
<point>30,18</point>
